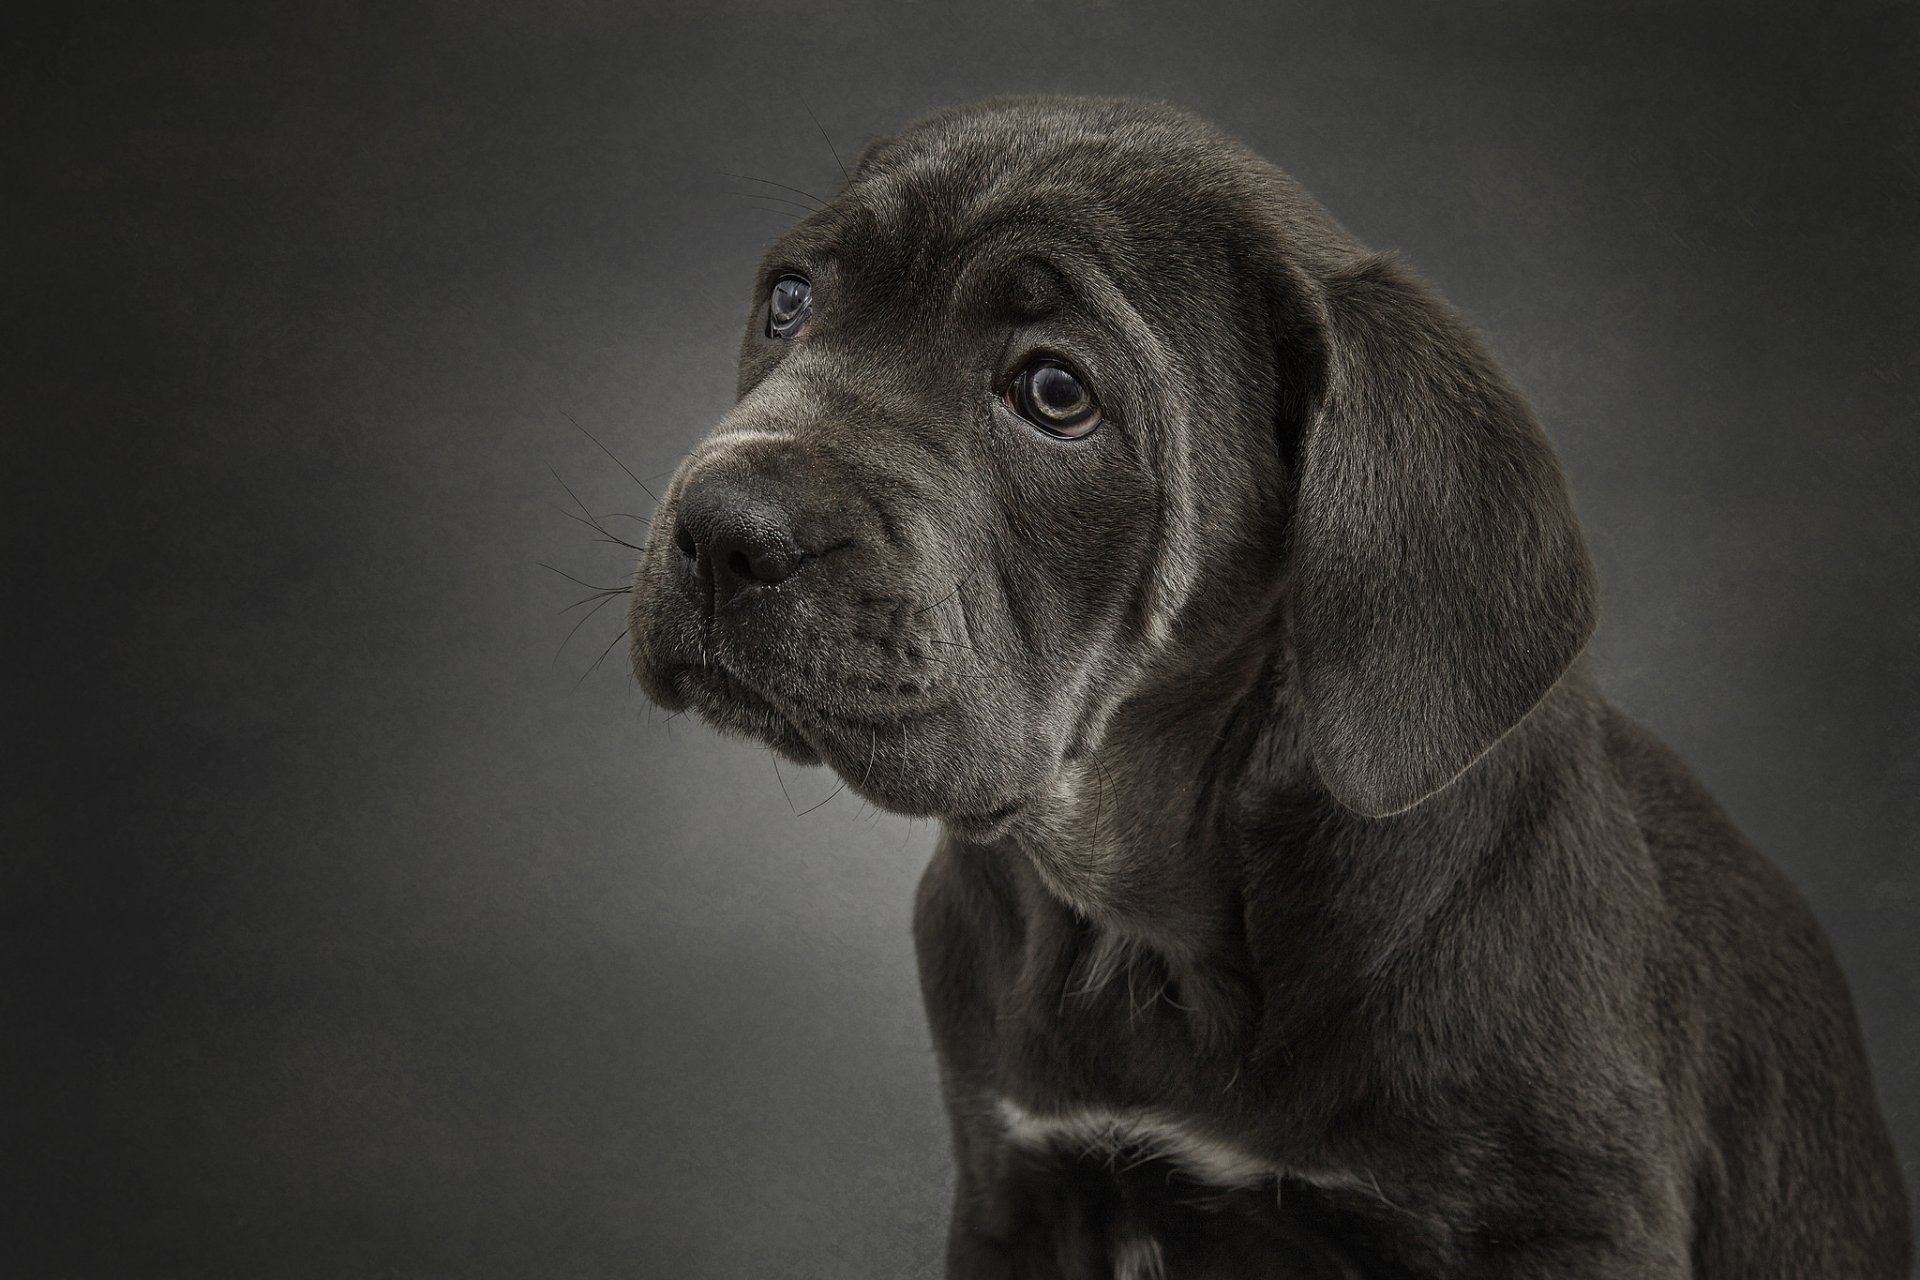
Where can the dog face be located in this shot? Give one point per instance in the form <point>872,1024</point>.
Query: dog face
<point>1057,396</point>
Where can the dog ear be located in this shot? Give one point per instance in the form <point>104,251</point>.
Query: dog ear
<point>1441,584</point>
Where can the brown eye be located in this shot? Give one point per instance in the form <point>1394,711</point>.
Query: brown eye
<point>1048,395</point>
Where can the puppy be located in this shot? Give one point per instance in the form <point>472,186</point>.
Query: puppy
<point>1300,909</point>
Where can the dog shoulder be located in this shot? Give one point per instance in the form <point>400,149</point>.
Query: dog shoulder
<point>1712,875</point>
<point>1781,1065</point>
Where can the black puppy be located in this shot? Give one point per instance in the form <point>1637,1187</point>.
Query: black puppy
<point>1300,908</point>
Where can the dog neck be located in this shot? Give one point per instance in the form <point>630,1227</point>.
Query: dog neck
<point>1127,836</point>
<point>1200,805</point>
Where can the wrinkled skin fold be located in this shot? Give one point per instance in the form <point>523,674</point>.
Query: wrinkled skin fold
<point>1300,908</point>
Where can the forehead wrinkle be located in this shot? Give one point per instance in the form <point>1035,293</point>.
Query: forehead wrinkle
<point>942,217</point>
<point>1162,371</point>
<point>930,175</point>
<point>961,183</point>
<point>996,264</point>
<point>1066,235</point>
<point>919,245</point>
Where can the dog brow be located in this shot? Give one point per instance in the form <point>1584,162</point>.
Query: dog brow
<point>1033,287</point>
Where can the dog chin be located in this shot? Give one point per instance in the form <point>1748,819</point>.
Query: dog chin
<point>869,755</point>
<point>738,712</point>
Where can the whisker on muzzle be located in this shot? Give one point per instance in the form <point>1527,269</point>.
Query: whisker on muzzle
<point>622,635</point>
<point>587,518</point>
<point>591,586</point>
<point>602,595</point>
<point>830,795</point>
<point>608,538</point>
<point>996,663</point>
<point>611,454</point>
<point>979,673</point>
<point>787,795</point>
<point>585,618</point>
<point>953,594</point>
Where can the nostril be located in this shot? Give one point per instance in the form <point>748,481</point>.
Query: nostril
<point>732,538</point>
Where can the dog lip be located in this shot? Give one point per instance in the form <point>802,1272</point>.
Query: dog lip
<point>717,683</point>
<point>801,710</point>
<point>720,694</point>
<point>817,728</point>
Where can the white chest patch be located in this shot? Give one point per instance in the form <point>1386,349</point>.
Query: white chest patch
<point>1134,1135</point>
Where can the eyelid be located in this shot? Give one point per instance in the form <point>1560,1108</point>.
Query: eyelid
<point>1038,351</point>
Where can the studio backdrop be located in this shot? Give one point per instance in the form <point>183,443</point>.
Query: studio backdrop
<point>359,917</point>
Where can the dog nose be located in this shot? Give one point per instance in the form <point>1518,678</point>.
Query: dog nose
<point>735,540</point>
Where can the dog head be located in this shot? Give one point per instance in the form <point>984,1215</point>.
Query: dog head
<point>1056,397</point>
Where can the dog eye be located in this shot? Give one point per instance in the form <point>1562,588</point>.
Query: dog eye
<point>1048,395</point>
<point>789,307</point>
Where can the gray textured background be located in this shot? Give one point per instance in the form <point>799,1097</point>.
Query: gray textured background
<point>344,935</point>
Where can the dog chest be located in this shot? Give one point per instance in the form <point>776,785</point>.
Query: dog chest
<point>1127,1136</point>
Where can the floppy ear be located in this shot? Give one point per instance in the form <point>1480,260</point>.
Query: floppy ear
<point>1441,584</point>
